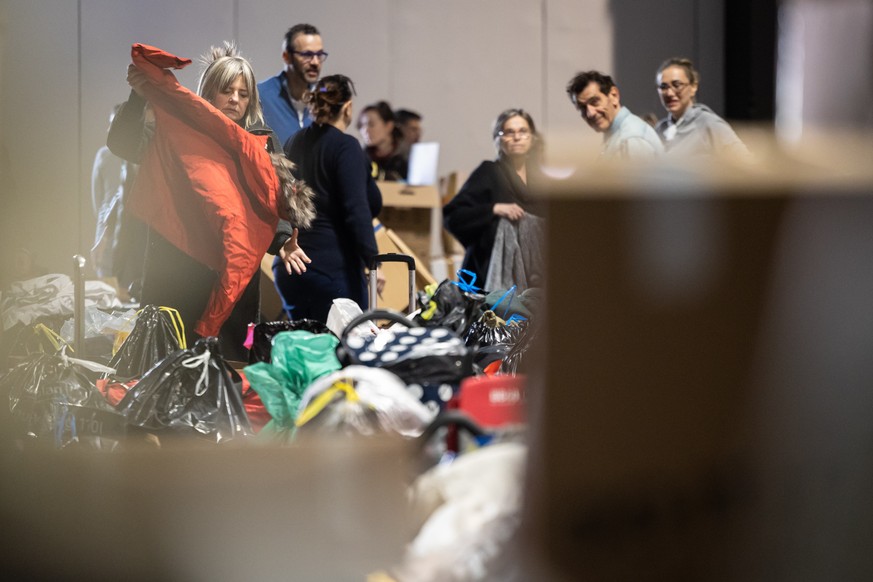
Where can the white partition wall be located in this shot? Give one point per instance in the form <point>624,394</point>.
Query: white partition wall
<point>457,62</point>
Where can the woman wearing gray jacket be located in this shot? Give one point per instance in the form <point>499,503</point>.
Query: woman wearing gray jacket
<point>690,128</point>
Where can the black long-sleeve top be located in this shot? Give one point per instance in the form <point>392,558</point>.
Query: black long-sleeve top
<point>346,198</point>
<point>470,217</point>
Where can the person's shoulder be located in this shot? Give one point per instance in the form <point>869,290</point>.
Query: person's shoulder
<point>271,83</point>
<point>662,125</point>
<point>704,114</point>
<point>487,167</point>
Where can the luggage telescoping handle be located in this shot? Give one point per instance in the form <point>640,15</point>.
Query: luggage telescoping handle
<point>392,258</point>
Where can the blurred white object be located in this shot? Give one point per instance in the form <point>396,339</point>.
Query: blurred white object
<point>344,311</point>
<point>49,295</point>
<point>472,509</point>
<point>398,411</point>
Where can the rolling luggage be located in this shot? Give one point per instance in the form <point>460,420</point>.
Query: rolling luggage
<point>392,258</point>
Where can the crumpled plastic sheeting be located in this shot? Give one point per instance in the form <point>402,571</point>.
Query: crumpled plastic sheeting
<point>298,359</point>
<point>397,410</point>
<point>26,301</point>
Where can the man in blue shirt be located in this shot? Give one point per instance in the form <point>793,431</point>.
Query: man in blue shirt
<point>625,135</point>
<point>282,95</point>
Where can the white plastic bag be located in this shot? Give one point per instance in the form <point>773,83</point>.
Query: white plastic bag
<point>344,311</point>
<point>397,409</point>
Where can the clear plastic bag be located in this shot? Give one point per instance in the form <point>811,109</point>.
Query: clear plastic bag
<point>53,400</point>
<point>397,411</point>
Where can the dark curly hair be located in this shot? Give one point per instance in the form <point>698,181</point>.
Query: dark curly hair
<point>578,83</point>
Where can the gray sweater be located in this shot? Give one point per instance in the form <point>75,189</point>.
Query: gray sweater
<point>700,132</point>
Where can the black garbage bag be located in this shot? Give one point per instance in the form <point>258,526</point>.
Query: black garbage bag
<point>493,337</point>
<point>491,330</point>
<point>190,392</point>
<point>451,307</point>
<point>52,398</point>
<point>263,334</point>
<point>512,362</point>
<point>156,334</point>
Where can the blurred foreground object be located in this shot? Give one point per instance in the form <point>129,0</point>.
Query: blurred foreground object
<point>706,415</point>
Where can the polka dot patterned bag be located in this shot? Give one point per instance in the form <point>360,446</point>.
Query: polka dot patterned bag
<point>432,361</point>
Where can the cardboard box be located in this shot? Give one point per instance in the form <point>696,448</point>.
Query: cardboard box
<point>415,213</point>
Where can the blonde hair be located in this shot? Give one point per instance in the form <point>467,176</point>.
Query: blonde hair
<point>222,67</point>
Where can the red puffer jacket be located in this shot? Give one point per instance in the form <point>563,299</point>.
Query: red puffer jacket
<point>205,184</point>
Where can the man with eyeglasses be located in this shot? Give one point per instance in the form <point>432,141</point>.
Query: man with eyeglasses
<point>282,95</point>
<point>625,136</point>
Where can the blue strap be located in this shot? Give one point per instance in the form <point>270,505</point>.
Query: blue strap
<point>509,292</point>
<point>515,317</point>
<point>466,285</point>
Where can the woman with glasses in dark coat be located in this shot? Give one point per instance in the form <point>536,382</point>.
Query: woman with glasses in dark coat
<point>496,189</point>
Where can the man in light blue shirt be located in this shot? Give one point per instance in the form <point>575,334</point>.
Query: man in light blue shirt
<point>282,95</point>
<point>625,136</point>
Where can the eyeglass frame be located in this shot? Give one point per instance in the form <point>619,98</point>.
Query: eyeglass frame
<point>677,87</point>
<point>521,133</point>
<point>307,56</point>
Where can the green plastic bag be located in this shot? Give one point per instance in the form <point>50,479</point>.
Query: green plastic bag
<point>299,358</point>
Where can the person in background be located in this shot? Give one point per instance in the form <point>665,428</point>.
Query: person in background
<point>496,189</point>
<point>282,96</point>
<point>209,196</point>
<point>409,123</point>
<point>625,136</point>
<point>108,176</point>
<point>340,241</point>
<point>691,128</point>
<point>383,141</point>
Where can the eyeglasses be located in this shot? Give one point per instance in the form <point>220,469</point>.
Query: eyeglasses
<point>677,86</point>
<point>309,55</point>
<point>509,134</point>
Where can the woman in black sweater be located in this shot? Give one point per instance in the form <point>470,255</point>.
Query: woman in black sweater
<point>340,242</point>
<point>496,189</point>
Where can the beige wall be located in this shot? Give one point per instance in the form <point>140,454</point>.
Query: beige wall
<point>458,62</point>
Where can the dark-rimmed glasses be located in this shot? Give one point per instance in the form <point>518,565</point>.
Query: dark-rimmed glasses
<point>677,86</point>
<point>309,55</point>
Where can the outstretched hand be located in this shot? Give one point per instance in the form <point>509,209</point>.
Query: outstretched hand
<point>293,256</point>
<point>511,211</point>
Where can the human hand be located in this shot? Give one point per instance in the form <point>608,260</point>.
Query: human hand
<point>293,256</point>
<point>136,78</point>
<point>511,211</point>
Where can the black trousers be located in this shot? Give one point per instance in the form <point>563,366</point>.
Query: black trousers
<point>174,279</point>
